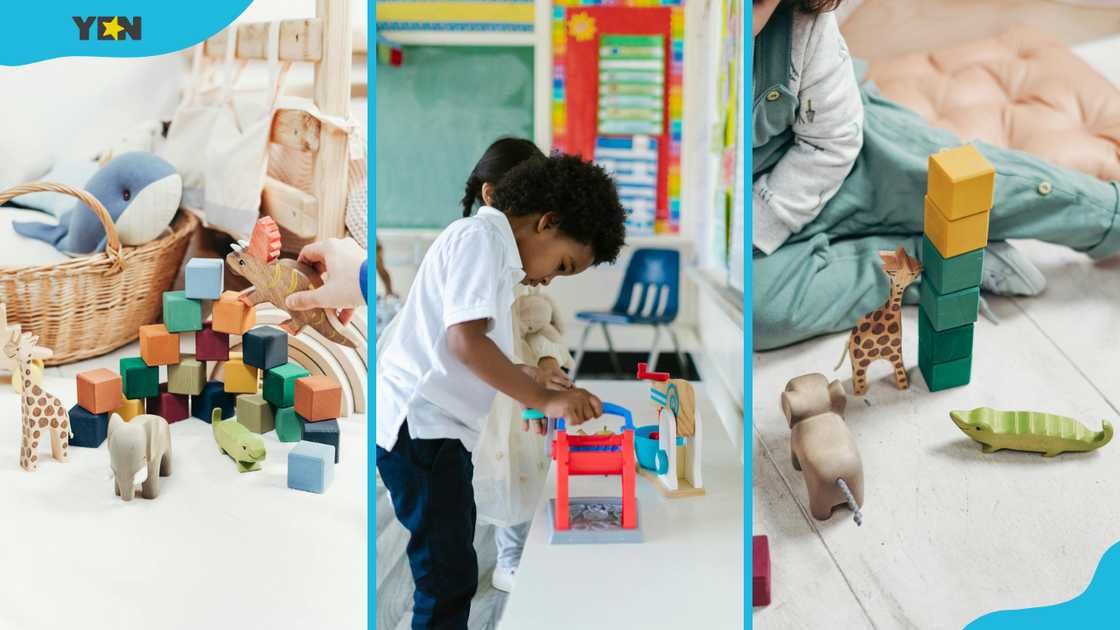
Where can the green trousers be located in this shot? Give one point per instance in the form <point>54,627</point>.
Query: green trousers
<point>828,275</point>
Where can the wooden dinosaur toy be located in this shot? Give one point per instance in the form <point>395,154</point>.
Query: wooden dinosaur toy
<point>41,412</point>
<point>1033,431</point>
<point>245,447</point>
<point>275,278</point>
<point>38,354</point>
<point>878,335</point>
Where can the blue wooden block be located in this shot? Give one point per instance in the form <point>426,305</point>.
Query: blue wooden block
<point>323,432</point>
<point>213,395</point>
<point>89,429</point>
<point>205,278</point>
<point>265,347</point>
<point>310,467</point>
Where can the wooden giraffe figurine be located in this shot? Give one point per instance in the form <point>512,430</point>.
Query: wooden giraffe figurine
<point>878,335</point>
<point>41,412</point>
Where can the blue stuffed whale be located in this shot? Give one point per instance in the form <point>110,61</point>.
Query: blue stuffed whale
<point>141,192</point>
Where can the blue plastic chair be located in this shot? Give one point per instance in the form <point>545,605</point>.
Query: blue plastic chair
<point>649,297</point>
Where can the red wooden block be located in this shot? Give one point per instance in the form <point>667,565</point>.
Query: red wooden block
<point>318,398</point>
<point>760,561</point>
<point>170,407</point>
<point>210,344</point>
<point>99,391</point>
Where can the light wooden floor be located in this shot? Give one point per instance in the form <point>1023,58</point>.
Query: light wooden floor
<point>950,533</point>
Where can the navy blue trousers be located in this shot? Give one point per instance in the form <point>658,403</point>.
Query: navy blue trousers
<point>429,482</point>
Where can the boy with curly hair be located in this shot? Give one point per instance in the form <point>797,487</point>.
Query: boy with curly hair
<point>440,370</point>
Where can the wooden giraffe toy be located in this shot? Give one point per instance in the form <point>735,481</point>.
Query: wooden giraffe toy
<point>878,335</point>
<point>38,354</point>
<point>41,412</point>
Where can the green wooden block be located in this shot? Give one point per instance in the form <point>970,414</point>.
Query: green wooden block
<point>280,383</point>
<point>138,379</point>
<point>180,313</point>
<point>255,413</point>
<point>951,274</point>
<point>945,375</point>
<point>289,426</point>
<point>187,377</point>
<point>945,345</point>
<point>950,310</point>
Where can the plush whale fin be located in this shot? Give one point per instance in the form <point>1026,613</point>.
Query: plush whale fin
<point>53,234</point>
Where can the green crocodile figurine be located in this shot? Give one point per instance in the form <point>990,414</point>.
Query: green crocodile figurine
<point>245,447</point>
<point>1033,431</point>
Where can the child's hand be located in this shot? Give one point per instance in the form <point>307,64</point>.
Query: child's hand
<point>550,375</point>
<point>574,405</point>
<point>339,261</point>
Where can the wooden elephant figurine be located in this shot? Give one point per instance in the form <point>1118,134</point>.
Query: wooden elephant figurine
<point>821,445</point>
<point>144,441</point>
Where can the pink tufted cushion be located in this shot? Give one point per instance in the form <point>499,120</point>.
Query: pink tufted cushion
<point>1022,90</point>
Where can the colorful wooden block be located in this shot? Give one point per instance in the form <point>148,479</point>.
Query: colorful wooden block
<point>138,379</point>
<point>100,390</point>
<point>318,398</point>
<point>951,274</point>
<point>186,377</point>
<point>205,278</point>
<point>325,432</point>
<point>158,346</point>
<point>943,345</point>
<point>233,316</point>
<point>171,407</point>
<point>181,313</point>
<point>310,467</point>
<point>89,428</point>
<point>211,345</point>
<point>951,309</point>
<point>280,384</point>
<point>955,237</point>
<point>289,426</point>
<point>961,182</point>
<point>240,378</point>
<point>265,347</point>
<point>255,413</point>
<point>760,571</point>
<point>130,408</point>
<point>941,376</point>
<point>213,396</point>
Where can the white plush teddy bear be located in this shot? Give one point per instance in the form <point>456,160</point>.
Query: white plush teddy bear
<point>541,328</point>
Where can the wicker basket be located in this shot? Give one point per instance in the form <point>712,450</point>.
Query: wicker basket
<point>95,304</point>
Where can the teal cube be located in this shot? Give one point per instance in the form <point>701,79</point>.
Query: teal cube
<point>953,274</point>
<point>205,278</point>
<point>181,313</point>
<point>941,346</point>
<point>280,383</point>
<point>138,379</point>
<point>941,376</point>
<point>950,310</point>
<point>289,426</point>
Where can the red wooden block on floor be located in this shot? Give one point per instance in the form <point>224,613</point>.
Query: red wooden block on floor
<point>760,561</point>
<point>318,398</point>
<point>210,344</point>
<point>170,407</point>
<point>99,391</point>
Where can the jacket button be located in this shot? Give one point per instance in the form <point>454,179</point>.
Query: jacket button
<point>1045,188</point>
<point>773,96</point>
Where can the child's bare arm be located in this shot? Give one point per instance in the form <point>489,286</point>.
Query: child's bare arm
<point>470,345</point>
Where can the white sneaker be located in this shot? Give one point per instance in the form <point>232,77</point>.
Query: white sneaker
<point>503,578</point>
<point>1008,272</point>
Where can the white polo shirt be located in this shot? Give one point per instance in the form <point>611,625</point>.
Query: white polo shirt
<point>469,273</point>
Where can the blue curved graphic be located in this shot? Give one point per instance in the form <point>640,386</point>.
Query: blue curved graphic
<point>1096,607</point>
<point>34,31</point>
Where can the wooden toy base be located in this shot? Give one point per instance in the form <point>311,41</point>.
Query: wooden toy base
<point>595,521</point>
<point>684,488</point>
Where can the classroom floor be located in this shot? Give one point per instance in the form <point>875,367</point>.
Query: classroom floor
<point>951,533</point>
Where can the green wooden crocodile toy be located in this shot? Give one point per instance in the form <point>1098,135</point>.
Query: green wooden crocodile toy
<point>245,447</point>
<point>1033,431</point>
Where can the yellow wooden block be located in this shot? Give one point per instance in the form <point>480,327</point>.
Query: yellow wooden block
<point>240,378</point>
<point>130,409</point>
<point>961,182</point>
<point>953,238</point>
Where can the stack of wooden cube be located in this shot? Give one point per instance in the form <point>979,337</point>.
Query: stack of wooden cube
<point>960,194</point>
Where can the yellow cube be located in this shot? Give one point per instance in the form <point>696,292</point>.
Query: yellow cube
<point>131,408</point>
<point>953,238</point>
<point>961,182</point>
<point>240,378</point>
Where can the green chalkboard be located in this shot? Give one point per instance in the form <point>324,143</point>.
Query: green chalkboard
<point>436,114</point>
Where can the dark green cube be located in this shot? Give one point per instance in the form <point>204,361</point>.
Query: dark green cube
<point>951,274</point>
<point>180,313</point>
<point>945,345</point>
<point>280,384</point>
<point>138,379</point>
<point>941,376</point>
<point>289,426</point>
<point>950,310</point>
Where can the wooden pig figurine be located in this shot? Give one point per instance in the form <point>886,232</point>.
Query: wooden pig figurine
<point>821,445</point>
<point>143,442</point>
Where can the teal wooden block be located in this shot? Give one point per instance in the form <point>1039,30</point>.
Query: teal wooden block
<point>951,274</point>
<point>289,426</point>
<point>138,379</point>
<point>280,383</point>
<point>941,376</point>
<point>944,345</point>
<point>205,278</point>
<point>181,313</point>
<point>254,413</point>
<point>950,310</point>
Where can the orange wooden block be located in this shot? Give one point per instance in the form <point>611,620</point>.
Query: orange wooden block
<point>157,346</point>
<point>318,398</point>
<point>233,316</point>
<point>99,391</point>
